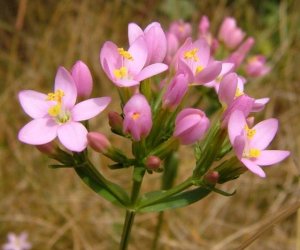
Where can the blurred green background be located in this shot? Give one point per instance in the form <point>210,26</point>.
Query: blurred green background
<point>55,207</point>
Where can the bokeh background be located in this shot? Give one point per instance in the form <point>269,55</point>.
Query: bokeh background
<point>58,211</point>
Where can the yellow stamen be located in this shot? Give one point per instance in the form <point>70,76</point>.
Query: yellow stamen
<point>250,132</point>
<point>56,96</point>
<point>238,92</point>
<point>199,69</point>
<point>191,54</point>
<point>54,110</point>
<point>219,79</point>
<point>121,73</point>
<point>125,54</point>
<point>254,153</point>
<point>135,116</point>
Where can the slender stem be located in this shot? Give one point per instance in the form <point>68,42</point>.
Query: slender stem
<point>157,230</point>
<point>127,229</point>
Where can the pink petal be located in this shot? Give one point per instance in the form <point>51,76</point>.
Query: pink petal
<point>88,109</point>
<point>239,145</point>
<point>226,68</point>
<point>227,88</point>
<point>259,104</point>
<point>270,157</point>
<point>253,167</point>
<point>265,132</point>
<point>126,82</point>
<point>134,31</point>
<point>209,73</point>
<point>203,51</point>
<point>236,125</point>
<point>38,131</point>
<point>109,52</point>
<point>139,52</point>
<point>64,81</point>
<point>151,70</point>
<point>34,103</point>
<point>73,135</point>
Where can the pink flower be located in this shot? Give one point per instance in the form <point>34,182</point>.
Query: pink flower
<point>137,117</point>
<point>83,79</point>
<point>203,32</point>
<point>172,47</point>
<point>155,39</point>
<point>182,30</point>
<point>230,34</point>
<point>256,66</point>
<point>176,90</point>
<point>204,25</point>
<point>190,125</point>
<point>56,114</point>
<point>249,144</point>
<point>126,68</point>
<point>194,60</point>
<point>16,242</point>
<point>238,56</point>
<point>98,142</point>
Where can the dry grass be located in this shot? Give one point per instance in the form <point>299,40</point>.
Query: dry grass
<point>55,207</point>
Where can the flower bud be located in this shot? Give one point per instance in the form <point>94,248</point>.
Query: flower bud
<point>230,34</point>
<point>153,162</point>
<point>83,79</point>
<point>190,125</point>
<point>212,177</point>
<point>98,142</point>
<point>115,122</point>
<point>256,66</point>
<point>138,118</point>
<point>175,91</point>
<point>49,148</point>
<point>204,25</point>
<point>182,30</point>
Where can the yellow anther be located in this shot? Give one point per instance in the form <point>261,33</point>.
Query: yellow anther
<point>219,79</point>
<point>191,54</point>
<point>135,116</point>
<point>56,96</point>
<point>125,54</point>
<point>254,153</point>
<point>121,73</point>
<point>54,110</point>
<point>250,132</point>
<point>238,92</point>
<point>199,69</point>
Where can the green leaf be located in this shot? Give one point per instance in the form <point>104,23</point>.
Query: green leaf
<point>180,200</point>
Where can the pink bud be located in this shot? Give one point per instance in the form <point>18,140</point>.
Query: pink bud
<point>190,125</point>
<point>250,121</point>
<point>172,47</point>
<point>153,162</point>
<point>115,121</point>
<point>98,142</point>
<point>239,55</point>
<point>230,34</point>
<point>138,118</point>
<point>203,26</point>
<point>48,148</point>
<point>256,66</point>
<point>212,177</point>
<point>182,30</point>
<point>175,91</point>
<point>83,79</point>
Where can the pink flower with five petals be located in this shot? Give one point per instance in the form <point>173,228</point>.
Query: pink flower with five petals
<point>56,115</point>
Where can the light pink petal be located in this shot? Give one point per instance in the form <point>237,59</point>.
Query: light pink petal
<point>209,73</point>
<point>151,70</point>
<point>64,81</point>
<point>226,68</point>
<point>239,145</point>
<point>109,53</point>
<point>183,68</point>
<point>73,135</point>
<point>203,51</point>
<point>253,167</point>
<point>139,52</point>
<point>38,131</point>
<point>126,82</point>
<point>227,88</point>
<point>34,103</point>
<point>265,132</point>
<point>88,109</point>
<point>134,31</point>
<point>236,125</point>
<point>270,157</point>
<point>186,123</point>
<point>259,104</point>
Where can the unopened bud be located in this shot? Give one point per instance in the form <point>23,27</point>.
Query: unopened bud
<point>212,177</point>
<point>98,142</point>
<point>115,122</point>
<point>48,148</point>
<point>153,162</point>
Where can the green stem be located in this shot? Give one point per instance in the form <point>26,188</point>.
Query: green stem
<point>127,229</point>
<point>157,230</point>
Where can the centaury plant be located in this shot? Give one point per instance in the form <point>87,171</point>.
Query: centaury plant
<point>173,91</point>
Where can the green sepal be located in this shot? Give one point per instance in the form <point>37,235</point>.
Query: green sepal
<point>177,201</point>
